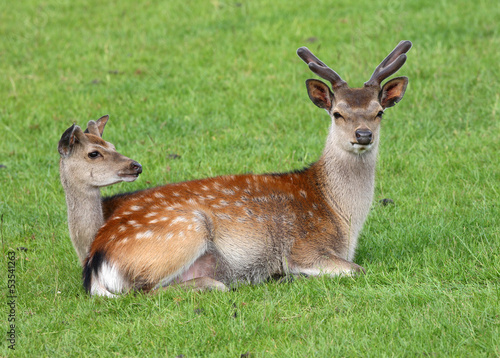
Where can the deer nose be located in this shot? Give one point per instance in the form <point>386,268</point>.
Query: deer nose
<point>136,167</point>
<point>364,136</point>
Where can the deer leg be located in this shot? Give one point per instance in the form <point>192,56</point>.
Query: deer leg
<point>313,263</point>
<point>333,266</point>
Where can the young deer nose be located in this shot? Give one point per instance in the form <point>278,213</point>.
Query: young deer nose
<point>364,136</point>
<point>136,167</point>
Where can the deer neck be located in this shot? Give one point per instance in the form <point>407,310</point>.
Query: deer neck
<point>348,185</point>
<point>84,215</point>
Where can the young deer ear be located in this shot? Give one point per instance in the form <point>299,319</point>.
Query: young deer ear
<point>320,94</point>
<point>393,91</point>
<point>97,127</point>
<point>71,136</point>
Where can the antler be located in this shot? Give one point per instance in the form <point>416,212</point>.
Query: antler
<point>390,64</point>
<point>320,68</point>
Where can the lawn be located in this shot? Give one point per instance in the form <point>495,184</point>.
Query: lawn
<point>205,88</point>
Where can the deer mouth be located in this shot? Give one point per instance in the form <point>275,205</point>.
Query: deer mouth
<point>361,148</point>
<point>128,177</point>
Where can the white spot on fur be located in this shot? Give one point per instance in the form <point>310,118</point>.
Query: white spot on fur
<point>144,235</point>
<point>179,219</point>
<point>159,195</point>
<point>122,228</point>
<point>227,191</point>
<point>154,221</point>
<point>303,193</point>
<point>176,194</point>
<point>223,216</point>
<point>168,236</point>
<point>204,187</point>
<point>127,212</point>
<point>135,207</point>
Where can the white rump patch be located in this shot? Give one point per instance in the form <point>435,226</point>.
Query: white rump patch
<point>108,282</point>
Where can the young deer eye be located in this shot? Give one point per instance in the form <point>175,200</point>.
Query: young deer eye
<point>93,155</point>
<point>337,115</point>
<point>380,114</point>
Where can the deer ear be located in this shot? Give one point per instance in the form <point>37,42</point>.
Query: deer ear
<point>71,136</point>
<point>393,91</point>
<point>320,94</point>
<point>97,127</point>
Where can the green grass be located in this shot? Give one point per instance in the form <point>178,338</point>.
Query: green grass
<point>218,83</point>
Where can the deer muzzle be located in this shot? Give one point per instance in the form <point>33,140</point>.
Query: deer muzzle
<point>131,172</point>
<point>364,136</point>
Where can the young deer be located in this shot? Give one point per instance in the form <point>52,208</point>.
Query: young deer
<point>213,232</point>
<point>88,163</point>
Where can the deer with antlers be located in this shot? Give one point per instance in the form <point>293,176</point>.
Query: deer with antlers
<point>88,163</point>
<point>215,232</point>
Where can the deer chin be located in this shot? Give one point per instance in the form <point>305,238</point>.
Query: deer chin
<point>128,177</point>
<point>361,148</point>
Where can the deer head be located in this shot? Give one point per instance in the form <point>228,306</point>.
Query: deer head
<point>88,160</point>
<point>356,112</point>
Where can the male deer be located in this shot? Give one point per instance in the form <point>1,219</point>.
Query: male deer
<point>88,163</point>
<point>214,232</point>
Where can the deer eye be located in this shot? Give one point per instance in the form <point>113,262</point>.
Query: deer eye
<point>380,114</point>
<point>337,115</point>
<point>93,155</point>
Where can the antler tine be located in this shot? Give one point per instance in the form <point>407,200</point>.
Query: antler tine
<point>319,68</point>
<point>391,64</point>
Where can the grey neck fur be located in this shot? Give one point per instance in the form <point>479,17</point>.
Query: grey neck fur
<point>349,185</point>
<point>84,214</point>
